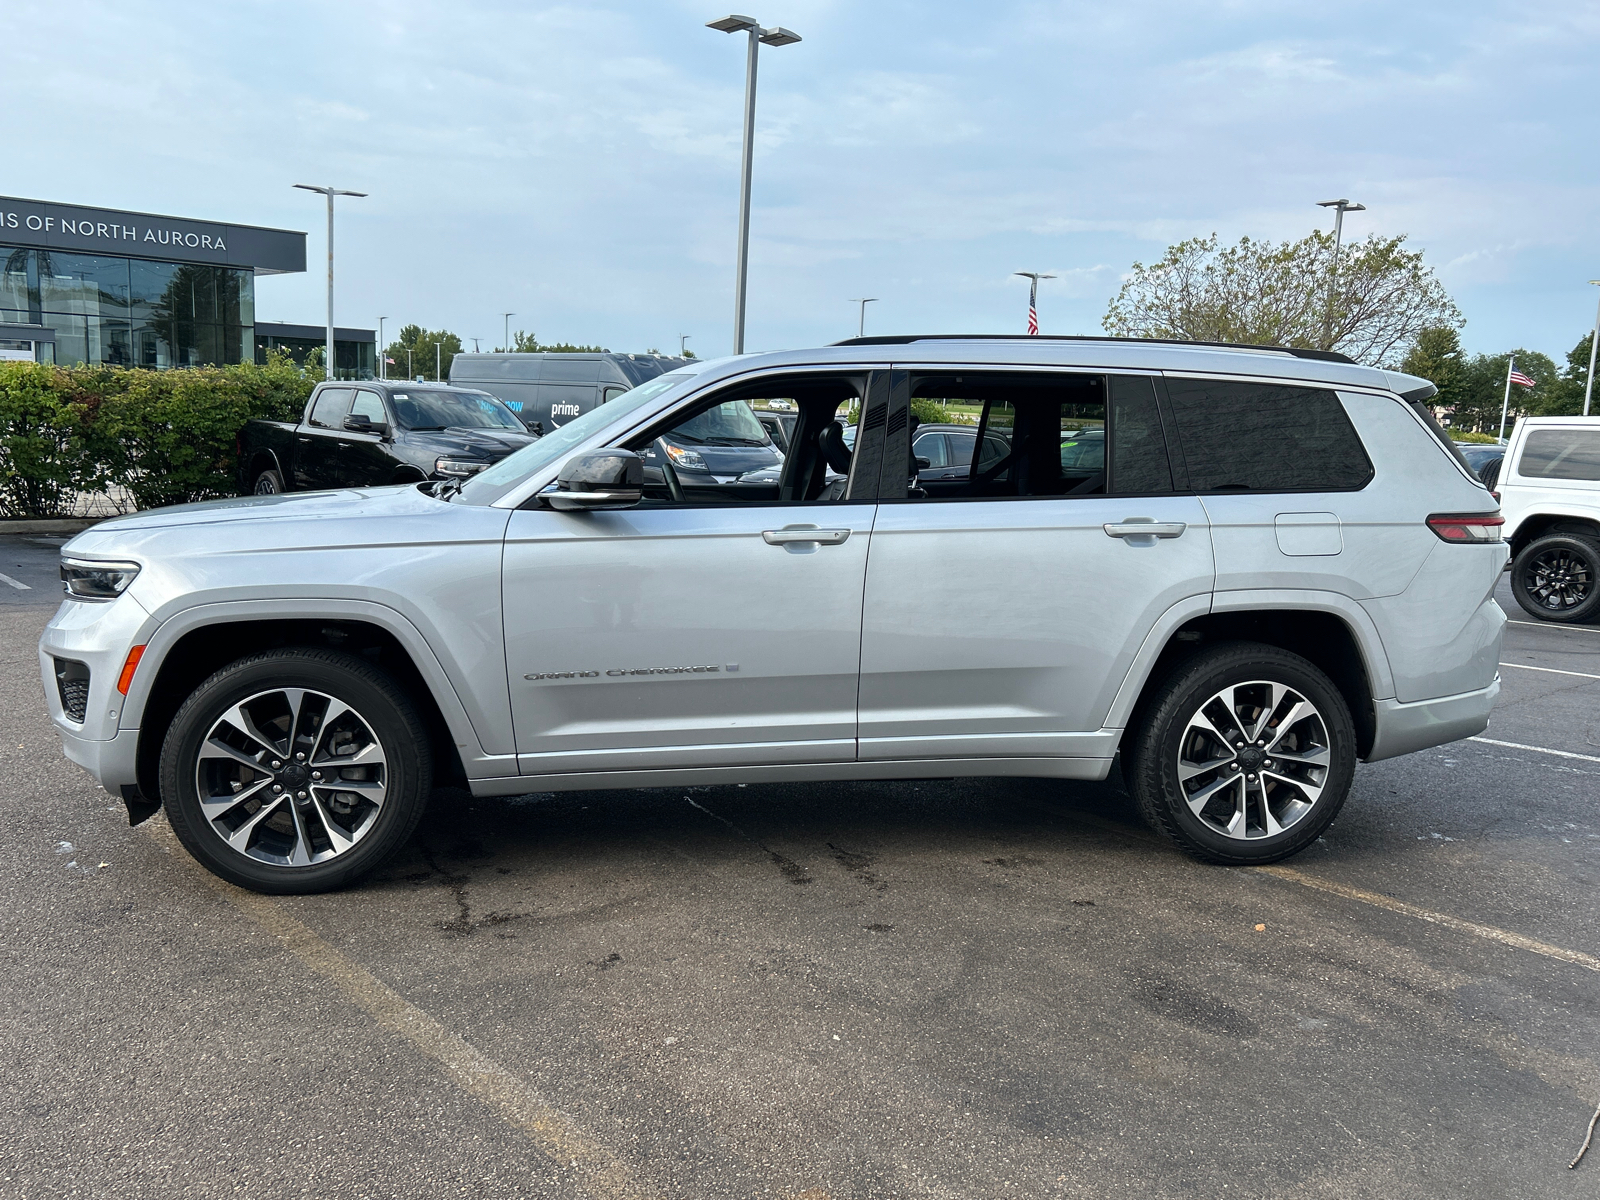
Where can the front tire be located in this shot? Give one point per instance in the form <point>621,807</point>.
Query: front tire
<point>1557,578</point>
<point>295,771</point>
<point>1244,755</point>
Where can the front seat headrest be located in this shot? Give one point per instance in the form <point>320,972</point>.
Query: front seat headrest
<point>830,440</point>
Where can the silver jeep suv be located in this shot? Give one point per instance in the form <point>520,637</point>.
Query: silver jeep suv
<point>1236,571</point>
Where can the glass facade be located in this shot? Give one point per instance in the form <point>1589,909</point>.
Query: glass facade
<point>351,360</point>
<point>131,312</point>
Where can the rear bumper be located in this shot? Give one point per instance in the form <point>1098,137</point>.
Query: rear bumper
<point>1403,728</point>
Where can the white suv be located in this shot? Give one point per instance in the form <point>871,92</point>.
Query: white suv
<point>1550,494</point>
<point>1239,570</point>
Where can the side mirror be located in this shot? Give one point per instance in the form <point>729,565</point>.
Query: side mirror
<point>601,479</point>
<point>359,424</point>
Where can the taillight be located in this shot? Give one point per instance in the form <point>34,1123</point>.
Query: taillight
<point>1475,528</point>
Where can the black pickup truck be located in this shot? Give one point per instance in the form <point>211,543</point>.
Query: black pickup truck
<point>379,432</point>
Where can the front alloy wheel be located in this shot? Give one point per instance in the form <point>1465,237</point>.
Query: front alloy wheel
<point>295,770</point>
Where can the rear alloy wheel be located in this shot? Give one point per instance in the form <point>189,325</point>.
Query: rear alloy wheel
<point>268,483</point>
<point>1245,755</point>
<point>295,771</point>
<point>1557,578</point>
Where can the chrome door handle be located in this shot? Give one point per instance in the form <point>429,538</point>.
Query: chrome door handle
<point>793,534</point>
<point>1143,527</point>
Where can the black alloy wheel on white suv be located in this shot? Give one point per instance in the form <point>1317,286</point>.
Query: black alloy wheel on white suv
<point>1557,578</point>
<point>297,770</point>
<point>1244,755</point>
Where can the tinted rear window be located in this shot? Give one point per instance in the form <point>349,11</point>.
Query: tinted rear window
<point>1561,454</point>
<point>1266,437</point>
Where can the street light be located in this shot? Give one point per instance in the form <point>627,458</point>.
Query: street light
<point>1340,207</point>
<point>682,339</point>
<point>383,354</point>
<point>438,359</point>
<point>1588,387</point>
<point>776,36</point>
<point>861,322</point>
<point>330,193</point>
<point>1033,278</point>
<point>508,317</point>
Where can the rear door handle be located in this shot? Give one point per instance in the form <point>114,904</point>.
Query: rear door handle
<point>793,534</point>
<point>1144,527</point>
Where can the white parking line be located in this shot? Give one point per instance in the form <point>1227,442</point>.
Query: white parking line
<point>1536,749</point>
<point>1550,670</point>
<point>16,583</point>
<point>1547,625</point>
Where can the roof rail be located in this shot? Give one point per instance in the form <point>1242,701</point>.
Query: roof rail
<point>904,339</point>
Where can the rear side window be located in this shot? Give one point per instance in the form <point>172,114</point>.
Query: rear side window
<point>1561,454</point>
<point>331,406</point>
<point>1266,437</point>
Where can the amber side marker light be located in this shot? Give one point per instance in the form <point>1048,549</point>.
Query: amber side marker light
<point>1467,528</point>
<point>125,680</point>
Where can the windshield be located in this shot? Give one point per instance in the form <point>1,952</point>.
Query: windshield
<point>439,409</point>
<point>731,423</point>
<point>489,485</point>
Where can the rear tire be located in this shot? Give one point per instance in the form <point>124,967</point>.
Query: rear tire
<point>1557,578</point>
<point>295,771</point>
<point>268,483</point>
<point>1244,755</point>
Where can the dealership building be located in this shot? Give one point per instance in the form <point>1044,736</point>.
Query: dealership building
<point>94,285</point>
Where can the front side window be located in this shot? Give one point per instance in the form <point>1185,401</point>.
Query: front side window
<point>1266,437</point>
<point>370,406</point>
<point>1561,454</point>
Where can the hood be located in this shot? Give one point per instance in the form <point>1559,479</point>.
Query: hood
<point>490,444</point>
<point>100,540</point>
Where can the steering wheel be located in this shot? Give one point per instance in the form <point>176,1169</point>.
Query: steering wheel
<point>668,471</point>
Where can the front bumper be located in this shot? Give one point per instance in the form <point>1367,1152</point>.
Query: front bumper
<point>1404,728</point>
<point>98,636</point>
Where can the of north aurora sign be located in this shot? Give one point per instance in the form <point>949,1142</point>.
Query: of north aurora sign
<point>72,227</point>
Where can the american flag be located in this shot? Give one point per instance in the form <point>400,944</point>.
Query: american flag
<point>1033,316</point>
<point>1520,379</point>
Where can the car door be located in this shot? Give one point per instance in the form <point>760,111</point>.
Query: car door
<point>1003,614</point>
<point>722,629</point>
<point>364,458</point>
<point>317,457</point>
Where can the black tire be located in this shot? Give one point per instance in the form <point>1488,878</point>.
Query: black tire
<point>1557,578</point>
<point>1164,730</point>
<point>382,715</point>
<point>268,483</point>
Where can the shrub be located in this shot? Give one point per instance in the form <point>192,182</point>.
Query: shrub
<point>168,437</point>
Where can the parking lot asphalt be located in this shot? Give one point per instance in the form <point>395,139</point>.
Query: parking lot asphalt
<point>949,989</point>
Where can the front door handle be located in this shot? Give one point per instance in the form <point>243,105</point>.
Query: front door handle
<point>802,533</point>
<point>1145,527</point>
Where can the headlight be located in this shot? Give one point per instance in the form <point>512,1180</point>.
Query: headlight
<point>685,460</point>
<point>86,580</point>
<point>458,468</point>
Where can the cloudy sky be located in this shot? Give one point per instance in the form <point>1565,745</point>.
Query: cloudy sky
<point>578,164</point>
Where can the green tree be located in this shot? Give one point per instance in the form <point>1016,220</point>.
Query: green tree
<point>1266,293</point>
<point>1483,389</point>
<point>527,343</point>
<point>424,359</point>
<point>1437,356</point>
<point>1565,397</point>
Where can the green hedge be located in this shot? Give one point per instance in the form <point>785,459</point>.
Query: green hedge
<point>165,436</point>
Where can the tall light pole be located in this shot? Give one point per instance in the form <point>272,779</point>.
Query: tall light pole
<point>475,345</point>
<point>1340,207</point>
<point>683,339</point>
<point>1588,387</point>
<point>1033,278</point>
<point>330,193</point>
<point>508,317</point>
<point>861,321</point>
<point>438,359</point>
<point>383,353</point>
<point>776,36</point>
<point>409,373</point>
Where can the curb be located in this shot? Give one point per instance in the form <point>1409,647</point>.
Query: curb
<point>48,524</point>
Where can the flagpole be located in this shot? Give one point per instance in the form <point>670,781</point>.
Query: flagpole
<point>1506,403</point>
